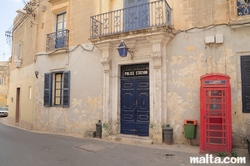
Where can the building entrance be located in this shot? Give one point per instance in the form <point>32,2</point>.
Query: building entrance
<point>135,113</point>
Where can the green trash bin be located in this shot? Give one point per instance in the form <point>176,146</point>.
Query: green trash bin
<point>190,129</point>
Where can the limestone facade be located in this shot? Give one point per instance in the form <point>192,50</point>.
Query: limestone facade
<point>177,54</point>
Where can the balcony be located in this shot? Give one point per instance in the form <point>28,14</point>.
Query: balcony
<point>133,18</point>
<point>243,7</point>
<point>57,40</point>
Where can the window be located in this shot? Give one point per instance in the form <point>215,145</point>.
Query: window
<point>61,22</point>
<point>243,7</point>
<point>57,89</point>
<point>245,81</point>
<point>1,81</point>
<point>60,30</point>
<point>30,92</point>
<point>59,38</point>
<point>17,53</point>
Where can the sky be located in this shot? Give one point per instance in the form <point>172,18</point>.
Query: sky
<point>7,14</point>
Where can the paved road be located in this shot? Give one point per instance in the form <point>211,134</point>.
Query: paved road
<point>23,148</point>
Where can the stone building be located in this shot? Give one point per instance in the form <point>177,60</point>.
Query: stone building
<point>4,83</point>
<point>69,73</point>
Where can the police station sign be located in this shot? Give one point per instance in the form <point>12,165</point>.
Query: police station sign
<point>144,72</point>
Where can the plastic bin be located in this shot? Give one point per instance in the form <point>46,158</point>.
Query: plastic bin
<point>167,134</point>
<point>190,128</point>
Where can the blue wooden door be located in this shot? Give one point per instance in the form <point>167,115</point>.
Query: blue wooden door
<point>135,106</point>
<point>136,14</point>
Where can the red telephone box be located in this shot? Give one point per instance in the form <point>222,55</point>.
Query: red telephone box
<point>215,113</point>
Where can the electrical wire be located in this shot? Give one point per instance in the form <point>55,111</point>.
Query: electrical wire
<point>5,51</point>
<point>23,2</point>
<point>79,45</point>
<point>26,16</point>
<point>212,26</point>
<point>16,25</point>
<point>67,50</point>
<point>2,44</point>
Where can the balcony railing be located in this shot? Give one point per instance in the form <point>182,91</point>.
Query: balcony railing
<point>243,7</point>
<point>57,40</point>
<point>147,15</point>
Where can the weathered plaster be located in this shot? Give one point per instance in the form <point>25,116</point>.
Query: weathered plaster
<point>186,63</point>
<point>86,99</point>
<point>190,48</point>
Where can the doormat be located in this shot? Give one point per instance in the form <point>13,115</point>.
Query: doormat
<point>91,147</point>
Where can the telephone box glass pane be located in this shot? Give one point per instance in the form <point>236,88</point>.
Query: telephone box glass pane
<point>215,116</point>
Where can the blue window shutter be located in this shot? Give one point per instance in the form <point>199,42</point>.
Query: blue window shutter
<point>245,78</point>
<point>66,88</point>
<point>47,99</point>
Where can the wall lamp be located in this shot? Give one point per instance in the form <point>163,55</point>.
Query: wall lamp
<point>123,50</point>
<point>36,73</point>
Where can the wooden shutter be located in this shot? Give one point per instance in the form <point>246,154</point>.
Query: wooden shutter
<point>47,99</point>
<point>245,78</point>
<point>17,51</point>
<point>66,88</point>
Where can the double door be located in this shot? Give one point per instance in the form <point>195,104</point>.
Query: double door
<point>135,106</point>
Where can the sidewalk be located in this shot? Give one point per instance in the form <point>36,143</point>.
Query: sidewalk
<point>146,142</point>
<point>191,149</point>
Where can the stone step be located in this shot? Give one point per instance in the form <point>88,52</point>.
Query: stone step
<point>130,139</point>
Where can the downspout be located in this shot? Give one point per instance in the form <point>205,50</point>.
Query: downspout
<point>35,67</point>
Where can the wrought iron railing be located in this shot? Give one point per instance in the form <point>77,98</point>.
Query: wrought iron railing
<point>243,7</point>
<point>57,40</point>
<point>147,15</point>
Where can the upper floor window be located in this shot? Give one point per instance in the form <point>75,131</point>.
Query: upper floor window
<point>243,7</point>
<point>1,81</point>
<point>60,30</point>
<point>59,38</point>
<point>61,22</point>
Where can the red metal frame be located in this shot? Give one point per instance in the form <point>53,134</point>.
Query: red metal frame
<point>215,113</point>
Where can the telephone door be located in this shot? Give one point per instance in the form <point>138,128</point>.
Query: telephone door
<point>215,115</point>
